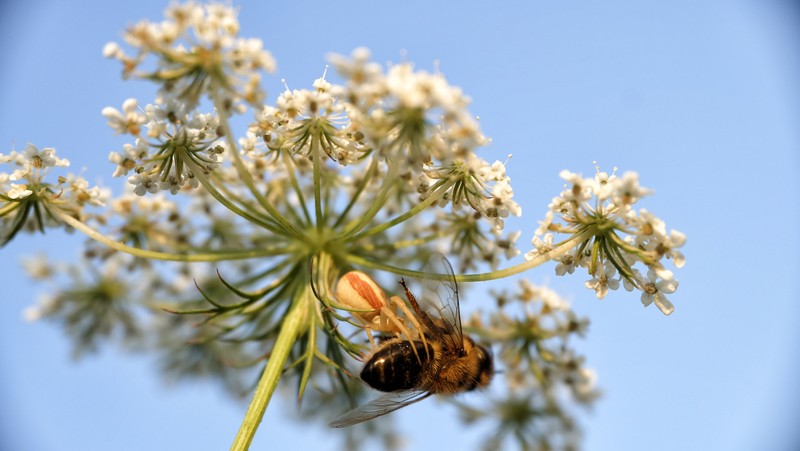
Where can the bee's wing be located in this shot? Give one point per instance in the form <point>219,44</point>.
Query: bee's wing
<point>379,406</point>
<point>446,294</point>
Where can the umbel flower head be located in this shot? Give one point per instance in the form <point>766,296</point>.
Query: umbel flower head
<point>198,52</point>
<point>29,202</point>
<point>613,237</point>
<point>176,148</point>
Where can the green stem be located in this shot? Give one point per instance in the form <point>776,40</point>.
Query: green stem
<point>407,243</point>
<point>317,165</point>
<point>373,166</point>
<point>430,200</point>
<point>558,251</point>
<point>356,225</point>
<point>166,256</point>
<point>203,179</point>
<point>272,373</point>
<point>8,208</point>
<point>247,178</point>
<point>291,169</point>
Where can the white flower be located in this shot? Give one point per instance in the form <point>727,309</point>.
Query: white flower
<point>357,69</point>
<point>79,193</point>
<point>172,183</point>
<point>508,244</point>
<point>627,191</point>
<point>585,385</point>
<point>127,121</point>
<point>144,183</point>
<point>113,50</point>
<point>44,158</point>
<point>541,246</point>
<point>603,281</point>
<point>567,263</point>
<point>45,305</point>
<point>602,185</point>
<point>650,227</point>
<point>33,159</point>
<point>20,191</point>
<point>247,55</point>
<point>669,247</point>
<point>38,266</point>
<point>659,282</point>
<point>579,191</point>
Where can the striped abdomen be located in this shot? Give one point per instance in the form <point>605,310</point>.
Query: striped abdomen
<point>396,366</point>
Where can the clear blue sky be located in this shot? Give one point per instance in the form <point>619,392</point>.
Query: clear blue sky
<point>701,98</point>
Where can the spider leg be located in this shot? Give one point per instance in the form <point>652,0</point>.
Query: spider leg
<point>413,320</point>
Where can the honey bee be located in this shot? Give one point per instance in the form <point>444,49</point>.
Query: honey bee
<point>434,357</point>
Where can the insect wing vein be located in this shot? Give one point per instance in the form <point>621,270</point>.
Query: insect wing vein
<point>379,407</point>
<point>446,291</point>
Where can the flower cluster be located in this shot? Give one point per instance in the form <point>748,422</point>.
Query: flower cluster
<point>419,118</point>
<point>405,113</point>
<point>531,329</point>
<point>29,202</point>
<point>198,51</point>
<point>177,148</point>
<point>595,212</point>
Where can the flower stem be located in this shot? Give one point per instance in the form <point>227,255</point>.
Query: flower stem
<point>271,375</point>
<point>211,189</point>
<point>292,170</point>
<point>317,165</point>
<point>430,200</point>
<point>373,167</point>
<point>356,225</point>
<point>245,175</point>
<point>155,255</point>
<point>558,251</point>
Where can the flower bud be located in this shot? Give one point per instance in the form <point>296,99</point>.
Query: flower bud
<point>358,291</point>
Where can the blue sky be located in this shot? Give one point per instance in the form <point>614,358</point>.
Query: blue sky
<point>701,98</point>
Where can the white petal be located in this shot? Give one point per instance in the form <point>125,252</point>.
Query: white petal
<point>667,286</point>
<point>677,238</point>
<point>662,273</point>
<point>663,304</point>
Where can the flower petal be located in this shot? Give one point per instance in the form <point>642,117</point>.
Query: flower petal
<point>664,304</point>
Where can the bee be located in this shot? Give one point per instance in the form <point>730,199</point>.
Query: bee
<point>434,357</point>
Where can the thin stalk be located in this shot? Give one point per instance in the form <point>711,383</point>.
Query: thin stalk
<point>247,178</point>
<point>558,251</point>
<point>155,255</point>
<point>373,166</point>
<point>317,165</point>
<point>289,163</point>
<point>11,206</point>
<point>430,200</point>
<point>356,225</point>
<point>406,243</point>
<point>233,196</point>
<point>203,179</point>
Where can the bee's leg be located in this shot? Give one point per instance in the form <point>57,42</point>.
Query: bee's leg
<point>411,299</point>
<point>413,320</point>
<point>420,314</point>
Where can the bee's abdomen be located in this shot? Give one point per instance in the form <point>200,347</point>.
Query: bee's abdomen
<point>396,366</point>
